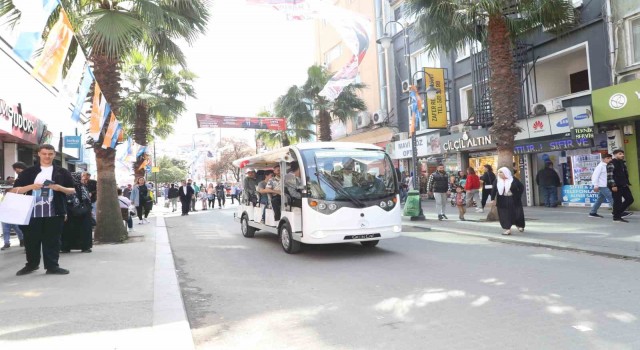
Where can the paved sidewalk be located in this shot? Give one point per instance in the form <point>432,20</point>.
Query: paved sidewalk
<point>567,228</point>
<point>121,296</point>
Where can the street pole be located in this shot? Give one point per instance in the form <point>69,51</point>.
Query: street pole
<point>155,174</point>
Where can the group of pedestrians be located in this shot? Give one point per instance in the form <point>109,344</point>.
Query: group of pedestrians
<point>610,179</point>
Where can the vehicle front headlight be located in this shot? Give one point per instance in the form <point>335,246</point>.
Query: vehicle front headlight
<point>390,203</point>
<point>333,206</point>
<point>322,206</point>
<point>383,204</point>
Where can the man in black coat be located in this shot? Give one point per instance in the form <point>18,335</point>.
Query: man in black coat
<point>50,184</point>
<point>618,182</point>
<point>549,181</point>
<point>185,192</point>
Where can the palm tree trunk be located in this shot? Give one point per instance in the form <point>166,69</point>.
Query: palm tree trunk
<point>140,135</point>
<point>505,92</point>
<point>324,125</point>
<point>109,226</point>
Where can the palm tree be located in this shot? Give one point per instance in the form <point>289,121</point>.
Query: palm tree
<point>154,98</point>
<point>299,119</point>
<point>343,108</point>
<point>109,30</point>
<point>447,25</point>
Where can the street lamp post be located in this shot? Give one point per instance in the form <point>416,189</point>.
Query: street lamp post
<point>386,42</point>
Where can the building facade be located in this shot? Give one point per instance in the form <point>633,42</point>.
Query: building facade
<point>558,75</point>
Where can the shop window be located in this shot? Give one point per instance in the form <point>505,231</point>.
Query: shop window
<point>466,102</point>
<point>633,27</point>
<point>562,73</point>
<point>422,59</point>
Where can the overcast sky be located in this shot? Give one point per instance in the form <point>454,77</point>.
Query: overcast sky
<point>250,56</point>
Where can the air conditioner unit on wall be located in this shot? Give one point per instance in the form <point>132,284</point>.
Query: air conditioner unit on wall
<point>363,120</point>
<point>544,107</point>
<point>379,117</point>
<point>406,86</point>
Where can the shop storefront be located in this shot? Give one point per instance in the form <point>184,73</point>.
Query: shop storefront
<point>474,148</point>
<point>616,110</point>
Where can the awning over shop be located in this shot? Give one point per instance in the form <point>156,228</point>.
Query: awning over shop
<point>374,136</point>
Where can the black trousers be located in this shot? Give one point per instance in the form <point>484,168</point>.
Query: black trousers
<point>618,205</point>
<point>276,202</point>
<point>221,200</point>
<point>186,205</point>
<point>43,233</point>
<point>143,210</point>
<point>485,195</point>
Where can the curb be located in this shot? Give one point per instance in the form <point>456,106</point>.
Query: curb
<point>541,243</point>
<point>170,328</point>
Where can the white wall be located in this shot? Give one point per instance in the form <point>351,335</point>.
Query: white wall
<point>552,75</point>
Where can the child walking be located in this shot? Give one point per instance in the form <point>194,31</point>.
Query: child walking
<point>460,201</point>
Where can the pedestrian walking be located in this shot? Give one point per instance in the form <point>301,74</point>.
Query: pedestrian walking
<point>487,180</point>
<point>599,182</point>
<point>211,195</point>
<point>92,187</point>
<point>438,186</point>
<point>196,190</point>
<point>127,191</point>
<point>549,181</point>
<point>234,190</point>
<point>6,235</point>
<point>125,204</point>
<point>141,199</point>
<point>221,194</point>
<point>509,192</point>
<point>618,182</point>
<point>173,197</point>
<point>50,184</point>
<point>202,196</point>
<point>77,232</point>
<point>472,187</point>
<point>460,199</point>
<point>185,193</point>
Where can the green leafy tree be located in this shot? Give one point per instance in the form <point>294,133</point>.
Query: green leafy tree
<point>110,30</point>
<point>154,98</point>
<point>447,25</point>
<point>299,102</point>
<point>171,170</point>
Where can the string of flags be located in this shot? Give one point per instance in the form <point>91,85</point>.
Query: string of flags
<point>48,66</point>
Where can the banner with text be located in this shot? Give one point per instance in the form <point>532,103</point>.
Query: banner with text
<point>221,121</point>
<point>436,108</point>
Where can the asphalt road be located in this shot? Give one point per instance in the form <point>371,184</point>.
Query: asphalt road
<point>420,291</point>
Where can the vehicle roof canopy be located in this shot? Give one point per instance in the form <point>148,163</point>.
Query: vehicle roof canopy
<point>269,159</point>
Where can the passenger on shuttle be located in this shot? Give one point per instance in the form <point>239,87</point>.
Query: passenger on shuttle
<point>293,184</point>
<point>347,176</point>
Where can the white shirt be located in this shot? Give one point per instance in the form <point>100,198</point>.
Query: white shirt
<point>347,180</point>
<point>125,203</point>
<point>599,176</point>
<point>45,174</point>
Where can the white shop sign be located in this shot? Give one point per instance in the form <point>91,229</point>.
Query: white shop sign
<point>403,149</point>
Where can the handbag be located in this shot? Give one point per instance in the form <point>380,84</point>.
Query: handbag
<point>80,209</point>
<point>16,208</point>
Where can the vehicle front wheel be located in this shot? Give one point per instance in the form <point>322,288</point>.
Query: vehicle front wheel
<point>286,239</point>
<point>247,230</point>
<point>369,244</point>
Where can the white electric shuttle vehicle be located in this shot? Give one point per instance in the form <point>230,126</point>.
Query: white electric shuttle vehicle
<point>347,192</point>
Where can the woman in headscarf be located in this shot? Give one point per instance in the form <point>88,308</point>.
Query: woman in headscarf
<point>77,232</point>
<point>509,192</point>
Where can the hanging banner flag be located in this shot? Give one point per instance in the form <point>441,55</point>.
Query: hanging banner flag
<point>94,120</point>
<point>354,29</point>
<point>436,108</point>
<point>74,74</point>
<point>116,135</point>
<point>221,121</point>
<point>33,17</point>
<point>48,66</point>
<point>121,135</point>
<point>415,109</point>
<point>83,90</point>
<point>111,130</point>
<point>105,114</point>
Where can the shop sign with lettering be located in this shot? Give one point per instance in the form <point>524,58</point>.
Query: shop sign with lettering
<point>467,141</point>
<point>402,149</point>
<point>582,133</point>
<point>14,122</point>
<point>551,145</point>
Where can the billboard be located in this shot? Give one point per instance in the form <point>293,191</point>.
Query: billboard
<point>437,108</point>
<point>221,121</point>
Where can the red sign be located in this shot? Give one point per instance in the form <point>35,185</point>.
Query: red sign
<point>220,121</point>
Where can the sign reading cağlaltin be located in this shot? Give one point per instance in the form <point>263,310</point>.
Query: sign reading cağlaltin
<point>466,141</point>
<point>616,102</point>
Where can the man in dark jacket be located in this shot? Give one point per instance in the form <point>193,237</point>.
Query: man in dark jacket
<point>173,197</point>
<point>618,182</point>
<point>49,184</point>
<point>185,192</point>
<point>549,181</point>
<point>438,185</point>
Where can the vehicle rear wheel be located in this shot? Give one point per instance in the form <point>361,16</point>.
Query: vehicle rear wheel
<point>247,230</point>
<point>286,239</point>
<point>369,244</point>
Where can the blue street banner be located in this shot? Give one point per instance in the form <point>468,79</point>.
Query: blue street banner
<point>72,142</point>
<point>580,196</point>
